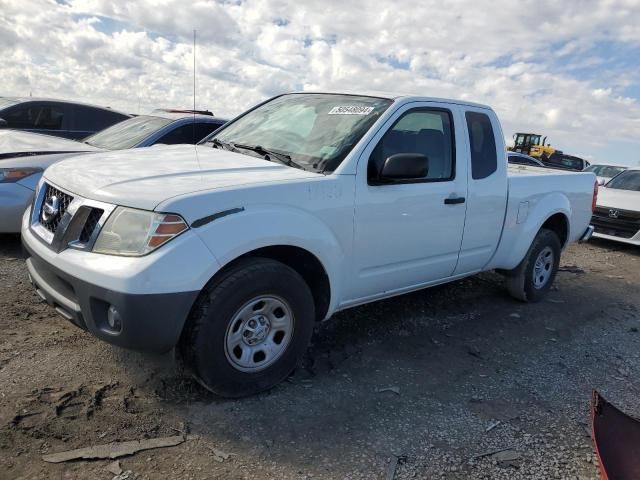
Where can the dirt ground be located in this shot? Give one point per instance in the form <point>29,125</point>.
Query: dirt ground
<point>468,371</point>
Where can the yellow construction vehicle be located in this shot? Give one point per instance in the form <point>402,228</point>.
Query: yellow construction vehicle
<point>530,144</point>
<point>536,146</point>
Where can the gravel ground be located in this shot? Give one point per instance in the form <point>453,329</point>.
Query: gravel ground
<point>469,370</point>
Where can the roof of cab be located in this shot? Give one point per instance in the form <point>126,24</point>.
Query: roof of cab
<point>409,97</point>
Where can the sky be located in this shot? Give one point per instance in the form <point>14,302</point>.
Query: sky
<point>567,70</point>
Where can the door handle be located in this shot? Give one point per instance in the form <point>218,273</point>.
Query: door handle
<point>454,200</point>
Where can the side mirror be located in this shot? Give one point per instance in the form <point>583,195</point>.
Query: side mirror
<point>404,166</point>
<point>601,181</point>
<point>3,123</point>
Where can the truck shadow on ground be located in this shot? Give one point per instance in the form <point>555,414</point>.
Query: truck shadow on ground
<point>11,246</point>
<point>403,376</point>
<point>610,245</point>
<point>396,375</point>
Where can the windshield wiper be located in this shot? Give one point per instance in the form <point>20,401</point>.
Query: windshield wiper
<point>224,145</point>
<point>269,154</point>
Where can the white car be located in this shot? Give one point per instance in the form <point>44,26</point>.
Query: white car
<point>617,215</point>
<point>605,172</point>
<point>305,205</point>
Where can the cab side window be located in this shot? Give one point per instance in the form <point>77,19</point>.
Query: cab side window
<point>424,131</point>
<point>484,159</point>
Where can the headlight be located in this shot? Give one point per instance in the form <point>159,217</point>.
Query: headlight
<point>133,232</point>
<point>12,175</point>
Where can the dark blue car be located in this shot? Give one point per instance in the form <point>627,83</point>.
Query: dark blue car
<point>56,117</point>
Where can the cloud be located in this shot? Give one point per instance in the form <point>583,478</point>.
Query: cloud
<point>567,70</point>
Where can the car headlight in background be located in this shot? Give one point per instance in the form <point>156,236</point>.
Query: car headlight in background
<point>132,232</point>
<point>12,175</point>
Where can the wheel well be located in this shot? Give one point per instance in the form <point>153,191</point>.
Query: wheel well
<point>307,265</point>
<point>558,224</point>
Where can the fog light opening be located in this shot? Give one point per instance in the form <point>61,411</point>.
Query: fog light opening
<point>113,319</point>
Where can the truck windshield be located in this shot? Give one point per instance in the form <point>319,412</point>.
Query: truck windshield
<point>316,131</point>
<point>127,134</point>
<point>629,180</point>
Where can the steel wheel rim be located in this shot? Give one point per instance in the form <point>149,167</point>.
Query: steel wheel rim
<point>543,267</point>
<point>259,333</point>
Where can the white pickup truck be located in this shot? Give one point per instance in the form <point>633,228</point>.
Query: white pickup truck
<point>305,205</point>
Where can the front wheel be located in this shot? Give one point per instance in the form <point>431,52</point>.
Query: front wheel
<point>249,328</point>
<point>531,280</point>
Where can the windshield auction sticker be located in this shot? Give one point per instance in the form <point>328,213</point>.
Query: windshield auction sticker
<point>350,110</point>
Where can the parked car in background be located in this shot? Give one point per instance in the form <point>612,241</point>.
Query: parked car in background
<point>617,214</point>
<point>605,172</point>
<point>303,206</point>
<point>56,117</point>
<point>24,156</point>
<point>515,158</point>
<point>566,162</point>
<point>167,127</point>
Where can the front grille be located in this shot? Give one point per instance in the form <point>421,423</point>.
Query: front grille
<point>63,220</point>
<point>58,199</point>
<point>625,215</point>
<point>623,223</point>
<point>90,225</point>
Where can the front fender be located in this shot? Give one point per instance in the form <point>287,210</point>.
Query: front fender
<point>262,226</point>
<point>520,229</point>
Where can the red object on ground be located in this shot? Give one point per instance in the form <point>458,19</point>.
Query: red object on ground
<point>616,437</point>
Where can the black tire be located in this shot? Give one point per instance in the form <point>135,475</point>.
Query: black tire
<point>520,280</point>
<point>203,343</point>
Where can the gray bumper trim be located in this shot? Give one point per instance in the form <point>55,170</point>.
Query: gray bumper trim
<point>150,322</point>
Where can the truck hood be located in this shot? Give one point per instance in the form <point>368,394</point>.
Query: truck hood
<point>14,143</point>
<point>144,177</point>
<point>616,198</point>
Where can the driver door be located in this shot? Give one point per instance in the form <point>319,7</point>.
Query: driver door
<point>409,233</point>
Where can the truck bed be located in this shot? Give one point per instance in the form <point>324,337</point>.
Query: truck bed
<point>533,193</point>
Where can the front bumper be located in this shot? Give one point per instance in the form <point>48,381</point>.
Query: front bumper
<point>635,240</point>
<point>149,322</point>
<point>152,295</point>
<point>624,227</point>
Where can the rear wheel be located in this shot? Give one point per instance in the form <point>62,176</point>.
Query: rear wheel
<point>249,328</point>
<point>531,280</point>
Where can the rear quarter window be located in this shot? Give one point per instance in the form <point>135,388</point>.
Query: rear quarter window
<point>484,158</point>
<point>205,129</point>
<point>89,119</point>
<point>187,134</point>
